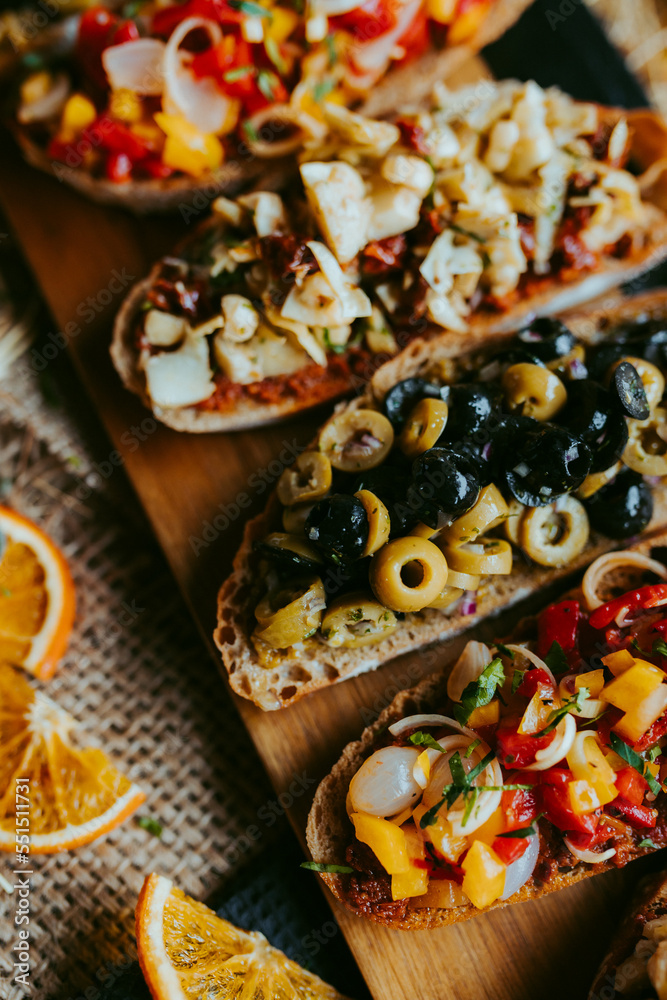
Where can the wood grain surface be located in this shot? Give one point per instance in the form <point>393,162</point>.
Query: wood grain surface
<point>81,254</point>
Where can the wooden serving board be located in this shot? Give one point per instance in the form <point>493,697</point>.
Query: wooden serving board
<point>81,254</point>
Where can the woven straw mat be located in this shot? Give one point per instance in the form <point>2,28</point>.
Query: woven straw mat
<point>146,691</point>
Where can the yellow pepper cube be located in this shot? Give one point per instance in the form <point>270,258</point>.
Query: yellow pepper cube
<point>283,23</point>
<point>485,715</point>
<point>619,661</point>
<point>484,875</point>
<point>583,797</point>
<point>639,719</point>
<point>441,836</point>
<point>467,23</point>
<point>125,105</point>
<point>79,112</point>
<point>178,155</point>
<point>405,885</point>
<point>441,11</point>
<point>494,826</point>
<point>386,841</point>
<point>631,687</point>
<point>593,680</point>
<point>594,769</point>
<point>536,715</point>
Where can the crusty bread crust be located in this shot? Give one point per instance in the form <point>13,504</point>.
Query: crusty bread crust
<point>313,664</point>
<point>329,831</point>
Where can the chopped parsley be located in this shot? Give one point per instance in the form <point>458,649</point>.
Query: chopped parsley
<point>331,49</point>
<point>632,758</point>
<point>266,81</point>
<point>322,89</point>
<point>238,73</point>
<point>517,679</point>
<point>571,705</point>
<point>556,660</point>
<point>250,8</point>
<point>251,132</point>
<point>420,739</point>
<point>654,752</point>
<point>524,831</point>
<point>659,648</point>
<point>150,825</point>
<point>478,693</point>
<point>273,52</point>
<point>473,746</point>
<point>315,866</point>
<point>462,786</point>
<point>647,842</point>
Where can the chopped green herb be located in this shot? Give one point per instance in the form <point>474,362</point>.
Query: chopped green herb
<point>420,739</point>
<point>150,825</point>
<point>273,52</point>
<point>146,306</point>
<point>315,866</point>
<point>654,752</point>
<point>250,8</point>
<point>336,348</point>
<point>517,678</point>
<point>322,89</point>
<point>5,592</point>
<point>632,758</point>
<point>524,831</point>
<point>462,785</point>
<point>251,132</point>
<point>660,646</point>
<point>465,232</point>
<point>556,660</point>
<point>647,842</point>
<point>266,81</point>
<point>473,746</point>
<point>571,705</point>
<point>596,718</point>
<point>509,653</point>
<point>331,49</point>
<point>239,73</point>
<point>478,693</point>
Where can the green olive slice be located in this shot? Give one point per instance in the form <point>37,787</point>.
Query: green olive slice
<point>646,450</point>
<point>308,479</point>
<point>534,391</point>
<point>408,573</point>
<point>290,615</point>
<point>290,552</point>
<point>379,524</point>
<point>355,440</point>
<point>294,517</point>
<point>423,427</point>
<point>357,620</point>
<point>555,535</point>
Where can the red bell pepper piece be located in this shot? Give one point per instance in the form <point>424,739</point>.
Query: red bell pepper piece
<point>558,623</point>
<point>117,138</point>
<point>640,817</point>
<point>118,167</point>
<point>652,735</point>
<point>534,679</point>
<point>95,30</point>
<point>126,31</point>
<point>631,785</point>
<point>152,166</point>
<point>510,849</point>
<point>519,807</point>
<point>554,801</point>
<point>585,841</point>
<point>380,256</point>
<point>168,18</point>
<point>517,750</point>
<point>368,21</point>
<point>441,869</point>
<point>635,600</point>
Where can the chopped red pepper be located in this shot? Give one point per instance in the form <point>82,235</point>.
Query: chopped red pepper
<point>126,31</point>
<point>117,138</point>
<point>519,807</point>
<point>534,679</point>
<point>558,623</point>
<point>554,800</point>
<point>168,18</point>
<point>440,869</point>
<point>380,256</point>
<point>368,21</point>
<point>413,136</point>
<point>95,31</point>
<point>640,817</point>
<point>631,785</point>
<point>635,600</point>
<point>510,849</point>
<point>585,841</point>
<point>652,735</point>
<point>118,167</point>
<point>517,750</point>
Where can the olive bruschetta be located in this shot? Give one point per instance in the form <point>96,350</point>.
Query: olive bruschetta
<point>502,201</point>
<point>528,766</point>
<point>159,101</point>
<point>418,511</point>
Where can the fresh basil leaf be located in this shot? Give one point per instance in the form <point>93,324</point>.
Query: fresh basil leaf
<point>471,800</point>
<point>430,816</point>
<point>647,842</point>
<point>556,660</point>
<point>478,693</point>
<point>250,8</point>
<point>315,866</point>
<point>632,758</point>
<point>523,831</point>
<point>471,749</point>
<point>517,678</point>
<point>509,653</point>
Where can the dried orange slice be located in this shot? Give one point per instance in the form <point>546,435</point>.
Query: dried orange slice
<point>36,597</point>
<point>72,795</point>
<point>186,952</point>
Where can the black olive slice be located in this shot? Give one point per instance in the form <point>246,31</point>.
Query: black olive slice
<point>338,527</point>
<point>623,508</point>
<point>445,481</point>
<point>402,397</point>
<point>628,390</point>
<point>547,338</point>
<point>548,463</point>
<point>289,553</point>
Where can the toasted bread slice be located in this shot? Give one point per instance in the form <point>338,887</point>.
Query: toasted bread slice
<point>293,673</point>
<point>329,831</point>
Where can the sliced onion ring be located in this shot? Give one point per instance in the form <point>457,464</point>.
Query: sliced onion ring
<point>606,564</point>
<point>532,658</point>
<point>416,721</point>
<point>49,106</point>
<point>136,66</point>
<point>565,732</point>
<point>475,657</point>
<point>589,857</point>
<point>200,102</point>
